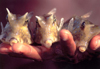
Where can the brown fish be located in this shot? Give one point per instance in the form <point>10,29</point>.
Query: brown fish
<point>16,30</point>
<point>82,30</point>
<point>47,28</point>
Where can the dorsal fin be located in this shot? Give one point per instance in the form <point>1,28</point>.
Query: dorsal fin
<point>87,15</point>
<point>53,11</point>
<point>11,17</point>
<point>70,25</point>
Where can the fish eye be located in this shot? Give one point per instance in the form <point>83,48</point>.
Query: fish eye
<point>27,20</point>
<point>7,17</point>
<point>36,20</point>
<point>54,19</point>
<point>37,23</point>
<point>83,25</point>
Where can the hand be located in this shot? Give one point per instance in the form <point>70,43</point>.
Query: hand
<point>71,51</point>
<point>24,51</point>
<point>40,53</point>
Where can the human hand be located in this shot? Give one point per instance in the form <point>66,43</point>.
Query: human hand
<point>40,53</point>
<point>26,51</point>
<point>71,51</point>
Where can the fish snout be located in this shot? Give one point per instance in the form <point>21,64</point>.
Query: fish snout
<point>82,46</point>
<point>13,41</point>
<point>48,43</point>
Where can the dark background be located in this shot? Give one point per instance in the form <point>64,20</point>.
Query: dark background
<point>66,9</point>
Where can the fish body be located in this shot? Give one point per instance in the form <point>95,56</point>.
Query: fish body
<point>82,30</point>
<point>16,29</point>
<point>47,28</point>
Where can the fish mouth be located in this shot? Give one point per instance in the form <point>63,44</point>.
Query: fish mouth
<point>82,48</point>
<point>13,41</point>
<point>48,43</point>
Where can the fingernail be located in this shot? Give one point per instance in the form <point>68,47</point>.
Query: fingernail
<point>64,37</point>
<point>4,50</point>
<point>98,45</point>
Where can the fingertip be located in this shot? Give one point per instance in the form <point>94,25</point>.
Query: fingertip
<point>5,48</point>
<point>27,50</point>
<point>67,41</point>
<point>64,34</point>
<point>20,48</point>
<point>95,42</point>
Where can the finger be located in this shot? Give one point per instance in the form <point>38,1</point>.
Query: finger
<point>5,48</point>
<point>68,44</point>
<point>95,42</point>
<point>29,51</point>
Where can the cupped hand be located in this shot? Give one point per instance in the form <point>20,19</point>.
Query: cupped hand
<point>67,46</point>
<point>71,51</point>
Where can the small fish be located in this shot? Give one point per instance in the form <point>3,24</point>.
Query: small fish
<point>82,30</point>
<point>16,29</point>
<point>47,28</point>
